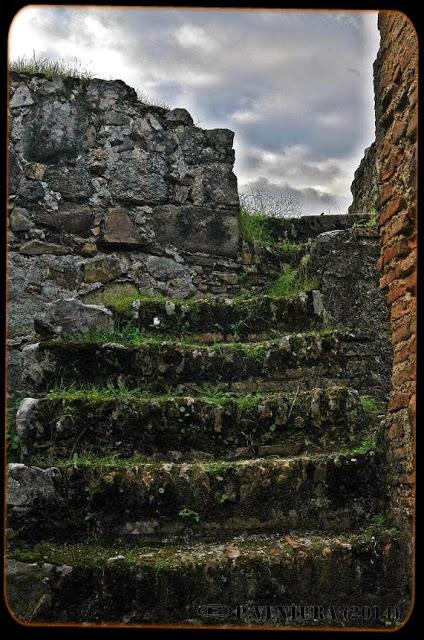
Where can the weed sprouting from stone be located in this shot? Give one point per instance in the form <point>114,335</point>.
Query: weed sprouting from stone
<point>189,514</point>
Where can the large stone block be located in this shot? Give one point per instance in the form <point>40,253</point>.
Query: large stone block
<point>73,183</point>
<point>70,218</point>
<point>53,130</point>
<point>71,316</point>
<point>198,229</point>
<point>120,229</point>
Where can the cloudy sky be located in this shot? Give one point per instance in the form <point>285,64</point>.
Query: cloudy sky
<point>296,87</point>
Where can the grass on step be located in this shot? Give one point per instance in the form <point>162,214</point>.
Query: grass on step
<point>216,397</point>
<point>100,463</point>
<point>130,335</point>
<point>253,227</point>
<point>92,393</point>
<point>126,334</point>
<point>291,283</point>
<point>367,444</point>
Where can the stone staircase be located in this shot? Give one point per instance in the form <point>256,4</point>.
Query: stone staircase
<point>206,462</point>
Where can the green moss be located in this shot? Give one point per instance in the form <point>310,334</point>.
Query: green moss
<point>188,514</point>
<point>100,463</point>
<point>370,405</point>
<point>373,221</point>
<point>367,444</point>
<point>217,468</point>
<point>93,554</point>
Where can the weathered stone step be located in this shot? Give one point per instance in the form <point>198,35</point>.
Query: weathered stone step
<point>170,583</point>
<point>110,496</point>
<point>306,228</point>
<point>223,318</point>
<point>156,366</point>
<point>122,422</point>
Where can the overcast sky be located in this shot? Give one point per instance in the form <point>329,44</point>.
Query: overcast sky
<point>296,87</point>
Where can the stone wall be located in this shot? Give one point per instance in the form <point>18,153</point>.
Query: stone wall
<point>364,186</point>
<point>110,196</point>
<point>395,78</point>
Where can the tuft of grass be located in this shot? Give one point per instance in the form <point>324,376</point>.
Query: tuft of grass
<point>93,393</point>
<point>367,444</point>
<point>150,102</point>
<point>40,65</point>
<point>288,248</point>
<point>291,283</point>
<point>50,68</point>
<point>212,395</point>
<point>120,303</point>
<point>253,227</point>
<point>189,514</point>
<point>126,334</point>
<point>370,405</point>
<point>373,221</point>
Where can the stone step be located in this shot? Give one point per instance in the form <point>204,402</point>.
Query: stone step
<point>224,319</point>
<point>77,583</point>
<point>78,498</point>
<point>125,423</point>
<point>157,366</point>
<point>306,228</point>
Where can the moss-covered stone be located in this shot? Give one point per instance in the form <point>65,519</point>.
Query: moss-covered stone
<point>171,583</point>
<point>98,496</point>
<point>227,318</point>
<point>118,422</point>
<point>304,360</point>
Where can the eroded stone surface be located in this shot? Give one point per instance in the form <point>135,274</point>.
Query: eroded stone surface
<point>71,316</point>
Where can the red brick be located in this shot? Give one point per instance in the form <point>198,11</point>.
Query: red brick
<point>395,430</point>
<point>398,131</point>
<point>403,332</point>
<point>402,307</point>
<point>396,291</point>
<point>404,350</point>
<point>403,372</point>
<point>406,265</point>
<point>387,278</point>
<point>386,193</point>
<point>387,147</point>
<point>398,248</point>
<point>411,131</point>
<point>412,242</point>
<point>412,408</point>
<point>397,74</point>
<point>387,173</point>
<point>411,282</point>
<point>391,210</point>
<point>399,223</point>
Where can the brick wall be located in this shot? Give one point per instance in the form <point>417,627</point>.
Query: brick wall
<point>395,81</point>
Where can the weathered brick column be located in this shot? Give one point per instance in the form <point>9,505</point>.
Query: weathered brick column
<point>395,80</point>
